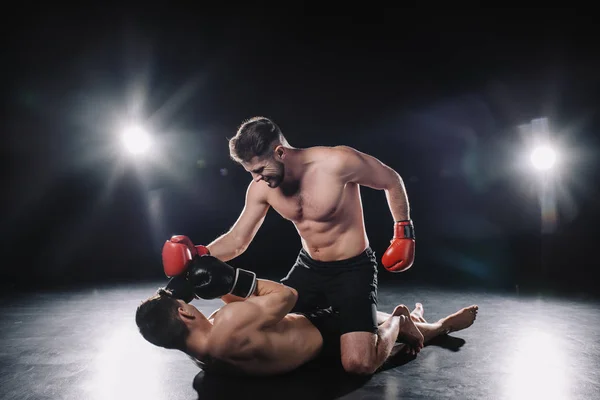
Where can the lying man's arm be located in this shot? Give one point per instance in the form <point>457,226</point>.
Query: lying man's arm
<point>263,287</point>
<point>275,299</point>
<point>269,304</point>
<point>238,321</point>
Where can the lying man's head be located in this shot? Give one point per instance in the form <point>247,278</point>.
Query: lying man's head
<point>165,321</point>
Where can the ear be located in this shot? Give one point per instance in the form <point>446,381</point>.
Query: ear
<point>185,315</point>
<point>279,152</point>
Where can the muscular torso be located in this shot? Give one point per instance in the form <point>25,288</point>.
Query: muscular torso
<point>278,349</point>
<point>326,212</point>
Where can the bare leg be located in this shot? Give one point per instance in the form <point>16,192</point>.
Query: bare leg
<point>461,319</point>
<point>382,317</point>
<point>355,355</point>
<point>407,346</point>
<point>416,315</point>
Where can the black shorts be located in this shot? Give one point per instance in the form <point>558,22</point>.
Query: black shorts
<point>349,286</point>
<point>327,321</point>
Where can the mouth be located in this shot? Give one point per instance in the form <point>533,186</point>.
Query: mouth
<point>270,182</point>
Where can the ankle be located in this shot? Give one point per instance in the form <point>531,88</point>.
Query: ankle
<point>442,327</point>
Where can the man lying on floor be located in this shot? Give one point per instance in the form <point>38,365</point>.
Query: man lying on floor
<point>254,333</point>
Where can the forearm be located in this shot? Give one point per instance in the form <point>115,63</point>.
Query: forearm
<point>275,298</point>
<point>229,298</point>
<point>266,287</point>
<point>226,247</point>
<point>397,199</point>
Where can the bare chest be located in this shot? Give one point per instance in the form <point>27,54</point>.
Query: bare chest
<point>318,201</point>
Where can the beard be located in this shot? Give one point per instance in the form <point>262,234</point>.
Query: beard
<point>275,178</point>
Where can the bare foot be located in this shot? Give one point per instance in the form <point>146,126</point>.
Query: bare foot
<point>417,314</point>
<point>408,332</point>
<point>459,320</point>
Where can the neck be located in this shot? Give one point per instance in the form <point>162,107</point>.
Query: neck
<point>197,339</point>
<point>294,166</point>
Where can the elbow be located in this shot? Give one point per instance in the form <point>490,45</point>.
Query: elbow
<point>293,293</point>
<point>227,246</point>
<point>241,241</point>
<point>288,291</point>
<point>394,176</point>
<point>291,296</point>
<point>240,248</point>
<point>394,180</point>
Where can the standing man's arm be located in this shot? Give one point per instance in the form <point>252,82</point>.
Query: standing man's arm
<point>179,250</point>
<point>238,238</point>
<point>366,170</point>
<point>363,169</point>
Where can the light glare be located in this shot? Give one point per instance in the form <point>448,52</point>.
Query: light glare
<point>543,157</point>
<point>136,140</point>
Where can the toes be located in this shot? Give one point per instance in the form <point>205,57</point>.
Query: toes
<point>400,310</point>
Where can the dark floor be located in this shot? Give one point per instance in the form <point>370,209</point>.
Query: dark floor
<point>84,344</point>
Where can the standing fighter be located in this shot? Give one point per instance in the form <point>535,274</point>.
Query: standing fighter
<point>318,190</point>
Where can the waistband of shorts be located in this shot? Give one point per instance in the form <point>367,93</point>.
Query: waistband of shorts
<point>366,258</point>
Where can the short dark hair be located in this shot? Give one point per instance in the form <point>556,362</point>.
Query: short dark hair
<point>254,138</point>
<point>158,321</point>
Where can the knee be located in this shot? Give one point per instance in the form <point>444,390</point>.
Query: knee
<point>358,365</point>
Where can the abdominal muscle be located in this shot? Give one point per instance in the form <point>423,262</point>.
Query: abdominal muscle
<point>331,226</point>
<point>334,242</point>
<point>338,237</point>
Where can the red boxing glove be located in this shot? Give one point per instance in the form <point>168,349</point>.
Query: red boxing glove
<point>401,254</point>
<point>177,254</point>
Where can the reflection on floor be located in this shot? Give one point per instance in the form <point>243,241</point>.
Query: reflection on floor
<point>83,344</point>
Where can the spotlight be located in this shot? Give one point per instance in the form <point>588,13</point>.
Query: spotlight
<point>543,158</point>
<point>135,139</point>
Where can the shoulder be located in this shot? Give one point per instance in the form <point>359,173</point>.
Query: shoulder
<point>257,192</point>
<point>324,152</point>
<point>233,316</point>
<point>224,335</point>
<point>331,154</point>
<point>337,159</point>
<point>230,337</point>
<point>227,315</point>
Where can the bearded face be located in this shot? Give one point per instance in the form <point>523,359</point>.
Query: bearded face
<point>270,170</point>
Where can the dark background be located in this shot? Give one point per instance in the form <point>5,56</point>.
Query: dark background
<point>438,97</point>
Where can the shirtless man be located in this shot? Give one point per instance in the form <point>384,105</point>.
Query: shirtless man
<point>255,333</point>
<point>318,190</point>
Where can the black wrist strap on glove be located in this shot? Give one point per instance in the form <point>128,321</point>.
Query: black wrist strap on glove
<point>245,283</point>
<point>404,229</point>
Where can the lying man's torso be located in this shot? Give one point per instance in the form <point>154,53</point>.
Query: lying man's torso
<point>283,347</point>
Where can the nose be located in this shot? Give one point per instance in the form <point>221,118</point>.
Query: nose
<point>257,177</point>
